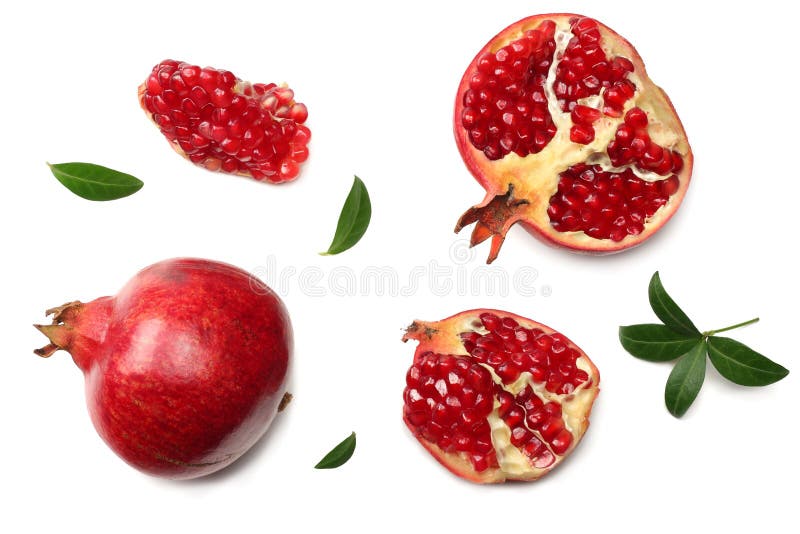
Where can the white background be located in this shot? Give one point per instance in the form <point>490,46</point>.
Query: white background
<point>379,81</point>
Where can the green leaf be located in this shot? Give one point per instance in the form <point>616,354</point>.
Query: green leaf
<point>353,220</point>
<point>741,364</point>
<point>339,454</point>
<point>685,380</point>
<point>666,309</point>
<point>95,182</point>
<point>656,342</point>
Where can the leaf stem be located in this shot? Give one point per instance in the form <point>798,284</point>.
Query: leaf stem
<point>739,325</point>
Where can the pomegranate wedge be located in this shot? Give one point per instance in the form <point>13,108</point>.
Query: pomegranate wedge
<point>494,396</point>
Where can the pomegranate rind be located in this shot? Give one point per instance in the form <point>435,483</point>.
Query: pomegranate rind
<point>170,387</point>
<point>534,178</point>
<point>443,337</point>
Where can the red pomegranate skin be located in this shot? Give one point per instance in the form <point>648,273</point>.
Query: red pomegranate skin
<point>185,368</point>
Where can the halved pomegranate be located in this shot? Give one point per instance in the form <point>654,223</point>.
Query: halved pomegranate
<point>494,396</point>
<point>557,119</point>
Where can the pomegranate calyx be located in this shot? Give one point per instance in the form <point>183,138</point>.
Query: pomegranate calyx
<point>59,333</point>
<point>59,313</point>
<point>59,336</point>
<point>492,219</point>
<point>78,328</point>
<point>419,330</point>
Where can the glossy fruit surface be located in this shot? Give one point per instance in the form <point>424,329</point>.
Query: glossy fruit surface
<point>494,396</point>
<point>184,368</point>
<point>557,119</point>
<point>224,124</point>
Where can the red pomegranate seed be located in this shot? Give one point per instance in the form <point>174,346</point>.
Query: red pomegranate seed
<point>584,115</point>
<point>581,134</point>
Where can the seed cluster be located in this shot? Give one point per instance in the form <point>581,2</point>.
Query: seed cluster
<point>505,107</point>
<point>632,145</point>
<point>584,71</point>
<point>448,398</point>
<point>606,205</point>
<point>533,423</point>
<point>225,124</point>
<point>510,349</point>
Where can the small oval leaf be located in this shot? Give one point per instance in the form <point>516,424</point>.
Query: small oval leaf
<point>353,220</point>
<point>95,182</point>
<point>742,365</point>
<point>667,310</point>
<point>685,380</point>
<point>339,454</point>
<point>655,342</point>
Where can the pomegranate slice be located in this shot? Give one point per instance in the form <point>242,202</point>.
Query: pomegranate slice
<point>557,119</point>
<point>494,396</point>
<point>225,124</point>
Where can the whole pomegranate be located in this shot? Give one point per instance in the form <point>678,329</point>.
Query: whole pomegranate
<point>185,367</point>
<point>557,119</point>
<point>225,124</point>
<point>494,396</point>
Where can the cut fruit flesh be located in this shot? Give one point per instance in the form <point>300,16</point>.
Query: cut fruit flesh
<point>494,396</point>
<point>550,95</point>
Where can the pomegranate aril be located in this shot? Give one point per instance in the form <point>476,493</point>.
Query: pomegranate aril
<point>462,443</point>
<point>636,118</point>
<point>468,418</point>
<point>514,417</point>
<point>536,418</point>
<point>669,186</point>
<point>551,429</point>
<point>506,401</point>
<point>533,448</point>
<point>483,402</point>
<point>554,383</point>
<point>520,436</point>
<point>490,321</point>
<point>545,459</point>
<point>584,115</point>
<point>479,462</point>
<point>538,374</point>
<point>581,134</point>
<point>508,372</point>
<point>418,418</point>
<point>483,443</point>
<point>440,415</point>
<point>553,409</point>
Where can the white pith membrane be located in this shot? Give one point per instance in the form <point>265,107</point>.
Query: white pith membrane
<point>443,337</point>
<point>534,178</point>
